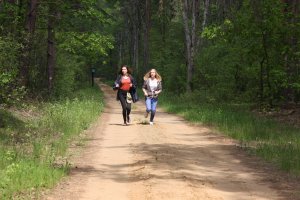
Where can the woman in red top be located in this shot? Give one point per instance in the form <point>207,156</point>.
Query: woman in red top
<point>125,83</point>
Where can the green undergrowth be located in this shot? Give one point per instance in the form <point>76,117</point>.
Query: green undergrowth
<point>32,138</point>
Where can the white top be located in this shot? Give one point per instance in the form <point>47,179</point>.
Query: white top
<point>153,84</point>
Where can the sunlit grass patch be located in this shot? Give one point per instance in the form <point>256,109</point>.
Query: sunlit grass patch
<point>30,148</point>
<point>23,175</point>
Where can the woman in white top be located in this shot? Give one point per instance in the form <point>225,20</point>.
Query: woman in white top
<point>152,88</point>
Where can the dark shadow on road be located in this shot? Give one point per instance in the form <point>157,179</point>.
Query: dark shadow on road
<point>182,162</point>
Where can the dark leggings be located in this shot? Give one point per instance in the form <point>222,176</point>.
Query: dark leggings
<point>152,115</point>
<point>126,107</point>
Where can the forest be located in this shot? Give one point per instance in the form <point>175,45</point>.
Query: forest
<point>242,54</point>
<point>230,50</point>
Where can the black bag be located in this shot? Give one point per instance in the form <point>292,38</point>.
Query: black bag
<point>134,94</point>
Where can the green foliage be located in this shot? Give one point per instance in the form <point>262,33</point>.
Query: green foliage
<point>212,31</point>
<point>25,176</point>
<point>84,34</point>
<point>89,45</point>
<point>70,71</point>
<point>167,55</point>
<point>10,18</point>
<point>245,56</point>
<point>79,29</point>
<point>34,138</point>
<point>82,43</point>
<point>10,92</point>
<point>68,117</point>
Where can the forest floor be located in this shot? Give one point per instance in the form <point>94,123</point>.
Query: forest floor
<point>287,114</point>
<point>172,159</point>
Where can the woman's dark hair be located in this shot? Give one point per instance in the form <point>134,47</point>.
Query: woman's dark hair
<point>128,69</point>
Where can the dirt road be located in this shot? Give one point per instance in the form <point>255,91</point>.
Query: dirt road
<point>170,160</point>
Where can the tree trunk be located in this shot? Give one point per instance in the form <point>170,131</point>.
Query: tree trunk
<point>190,39</point>
<point>187,44</point>
<point>205,13</point>
<point>136,49</point>
<point>261,85</point>
<point>120,38</point>
<point>131,47</point>
<point>51,56</point>
<point>147,27</point>
<point>290,63</point>
<point>28,39</point>
<point>204,22</point>
<point>266,58</point>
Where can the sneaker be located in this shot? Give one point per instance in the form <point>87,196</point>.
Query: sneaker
<point>151,123</point>
<point>146,114</point>
<point>125,124</point>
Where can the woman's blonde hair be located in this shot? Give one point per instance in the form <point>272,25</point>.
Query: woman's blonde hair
<point>148,75</point>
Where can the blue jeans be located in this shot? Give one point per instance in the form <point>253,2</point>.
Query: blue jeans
<point>151,104</point>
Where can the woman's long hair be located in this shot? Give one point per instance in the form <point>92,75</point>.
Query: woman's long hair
<point>128,70</point>
<point>148,75</point>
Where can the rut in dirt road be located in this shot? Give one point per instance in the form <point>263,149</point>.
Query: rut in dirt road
<point>170,160</point>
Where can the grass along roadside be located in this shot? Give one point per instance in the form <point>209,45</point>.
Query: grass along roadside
<point>272,141</point>
<point>31,140</point>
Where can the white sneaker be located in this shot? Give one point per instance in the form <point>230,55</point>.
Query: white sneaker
<point>151,123</point>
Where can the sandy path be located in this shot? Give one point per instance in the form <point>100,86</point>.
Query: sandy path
<point>170,160</point>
